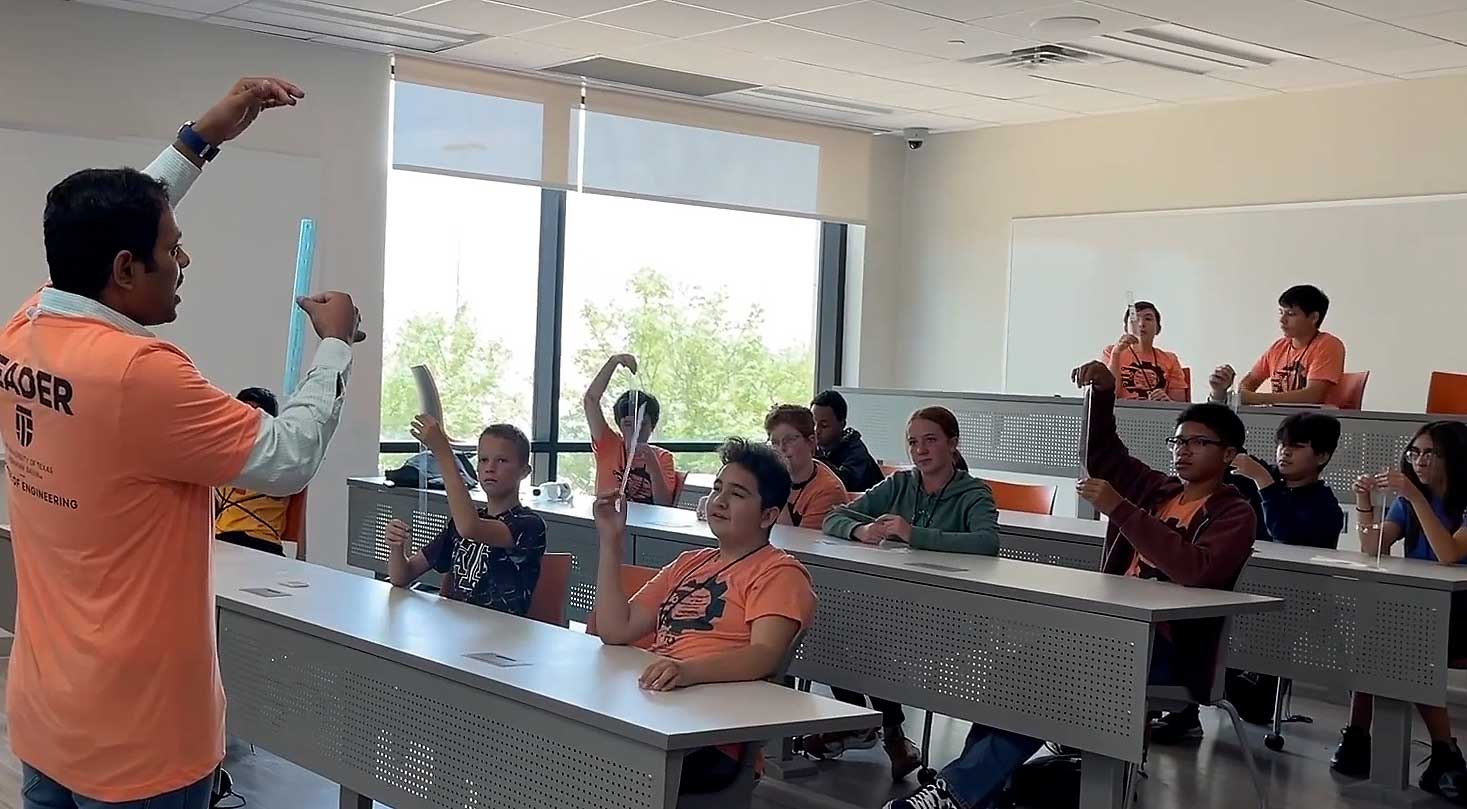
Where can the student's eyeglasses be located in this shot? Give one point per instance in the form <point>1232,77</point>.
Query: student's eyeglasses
<point>1178,443</point>
<point>1418,454</point>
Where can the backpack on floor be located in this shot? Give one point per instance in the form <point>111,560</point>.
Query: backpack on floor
<point>1252,694</point>
<point>1051,782</point>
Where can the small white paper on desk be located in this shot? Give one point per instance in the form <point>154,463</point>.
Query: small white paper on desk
<point>264,592</point>
<point>1326,560</point>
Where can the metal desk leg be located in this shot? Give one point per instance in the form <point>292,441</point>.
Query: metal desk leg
<point>1390,744</point>
<point>351,800</point>
<point>1102,782</point>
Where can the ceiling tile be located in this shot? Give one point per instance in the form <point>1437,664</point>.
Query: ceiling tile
<point>781,41</point>
<point>1452,25</point>
<point>969,10</point>
<point>576,8</point>
<point>767,9</point>
<point>386,6</point>
<point>1411,60</point>
<point>191,6</point>
<point>690,57</point>
<point>263,28</point>
<point>1077,98</point>
<point>484,17</point>
<point>893,93</point>
<point>146,8</point>
<point>355,44</point>
<point>883,24</point>
<point>580,35</point>
<point>792,107</point>
<point>670,19</point>
<point>1300,74</point>
<point>1021,24</point>
<point>1150,82</point>
<point>1356,38</point>
<point>1396,9</point>
<point>1005,112</point>
<point>1240,18</point>
<point>902,119</point>
<point>982,80</point>
<point>1431,74</point>
<point>514,53</point>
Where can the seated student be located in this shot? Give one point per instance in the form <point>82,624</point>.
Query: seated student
<point>1428,513</point>
<point>934,506</point>
<point>1143,370</point>
<point>841,447</point>
<point>490,556</point>
<point>251,519</point>
<point>1295,506</point>
<point>653,476</point>
<point>814,490</point>
<point>1304,366</point>
<point>1191,529</point>
<point>717,615</point>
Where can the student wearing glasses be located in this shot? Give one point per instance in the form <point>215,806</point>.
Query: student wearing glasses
<point>1428,513</point>
<point>1142,370</point>
<point>1192,529</point>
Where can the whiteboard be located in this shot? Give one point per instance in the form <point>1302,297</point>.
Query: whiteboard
<point>1393,269</point>
<point>240,225</point>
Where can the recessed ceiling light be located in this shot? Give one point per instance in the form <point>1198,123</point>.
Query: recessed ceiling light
<point>1065,27</point>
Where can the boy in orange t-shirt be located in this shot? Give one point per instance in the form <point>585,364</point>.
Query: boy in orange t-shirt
<point>716,615</point>
<point>1305,366</point>
<point>1142,370</point>
<point>653,477</point>
<point>814,489</point>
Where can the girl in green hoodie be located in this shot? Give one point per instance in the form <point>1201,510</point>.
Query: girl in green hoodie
<point>935,506</point>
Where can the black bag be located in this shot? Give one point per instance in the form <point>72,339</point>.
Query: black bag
<point>421,472</point>
<point>1051,782</point>
<point>1252,694</point>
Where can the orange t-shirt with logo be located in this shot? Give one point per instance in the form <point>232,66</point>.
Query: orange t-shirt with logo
<point>1289,369</point>
<point>812,500</point>
<point>113,443</point>
<point>1144,371</point>
<point>611,460</point>
<point>1176,514</point>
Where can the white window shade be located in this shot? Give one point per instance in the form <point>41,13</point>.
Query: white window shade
<point>673,161</point>
<point>466,133</point>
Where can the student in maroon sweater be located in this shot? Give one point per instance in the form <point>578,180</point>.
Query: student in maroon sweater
<point>1192,529</point>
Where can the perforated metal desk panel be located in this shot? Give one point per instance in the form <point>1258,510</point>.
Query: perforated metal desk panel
<point>369,685</point>
<point>1040,434</point>
<point>1038,649</point>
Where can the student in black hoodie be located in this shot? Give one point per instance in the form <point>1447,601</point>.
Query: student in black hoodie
<point>840,447</point>
<point>1297,507</point>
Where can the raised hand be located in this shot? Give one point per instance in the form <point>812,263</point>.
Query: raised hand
<point>1222,379</point>
<point>427,430</point>
<point>232,115</point>
<point>1100,494</point>
<point>333,314</point>
<point>1094,374</point>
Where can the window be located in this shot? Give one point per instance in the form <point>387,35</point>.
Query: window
<point>720,306</point>
<point>454,131</point>
<point>460,296</point>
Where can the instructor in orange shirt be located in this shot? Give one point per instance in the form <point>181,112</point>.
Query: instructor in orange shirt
<point>113,443</point>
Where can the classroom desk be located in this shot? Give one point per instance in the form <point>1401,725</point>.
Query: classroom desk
<point>1040,435</point>
<point>1038,649</point>
<point>374,688</point>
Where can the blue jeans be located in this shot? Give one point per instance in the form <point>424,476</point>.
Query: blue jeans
<point>990,756</point>
<point>38,791</point>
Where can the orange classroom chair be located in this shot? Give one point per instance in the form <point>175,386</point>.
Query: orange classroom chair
<point>1447,393</point>
<point>547,603</point>
<point>1027,497</point>
<point>633,577</point>
<point>1351,391</point>
<point>295,523</point>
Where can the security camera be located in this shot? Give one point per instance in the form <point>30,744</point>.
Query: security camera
<point>916,136</point>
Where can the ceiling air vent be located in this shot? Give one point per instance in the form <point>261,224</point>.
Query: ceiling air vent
<point>353,25</point>
<point>802,99</point>
<point>1037,56</point>
<point>650,78</point>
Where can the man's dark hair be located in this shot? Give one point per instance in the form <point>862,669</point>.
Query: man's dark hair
<point>261,398</point>
<point>1137,308</point>
<point>513,435</point>
<point>1315,429</point>
<point>651,407</point>
<point>92,216</point>
<point>1220,419</point>
<point>1308,299</point>
<point>797,416</point>
<point>765,464</point>
<point>833,400</point>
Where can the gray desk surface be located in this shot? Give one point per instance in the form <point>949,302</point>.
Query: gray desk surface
<point>1084,590</point>
<point>569,673</point>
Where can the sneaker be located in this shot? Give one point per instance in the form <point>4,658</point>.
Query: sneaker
<point>1352,757</point>
<point>935,796</point>
<point>824,746</point>
<point>1177,727</point>
<point>905,756</point>
<point>1446,772</point>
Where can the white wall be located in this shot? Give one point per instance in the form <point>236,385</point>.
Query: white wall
<point>960,192</point>
<point>94,72</point>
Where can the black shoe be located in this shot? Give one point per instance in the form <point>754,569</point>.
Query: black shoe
<point>1177,727</point>
<point>1352,757</point>
<point>1446,772</point>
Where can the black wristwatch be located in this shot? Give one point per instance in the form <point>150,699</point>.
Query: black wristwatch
<point>193,140</point>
